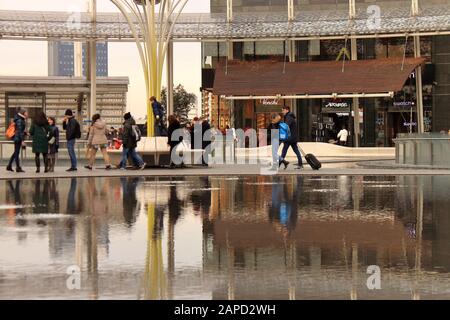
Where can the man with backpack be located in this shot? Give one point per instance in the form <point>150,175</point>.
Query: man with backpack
<point>16,132</point>
<point>73,132</point>
<point>290,139</point>
<point>131,136</point>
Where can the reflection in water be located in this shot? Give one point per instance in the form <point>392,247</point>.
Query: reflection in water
<point>289,237</point>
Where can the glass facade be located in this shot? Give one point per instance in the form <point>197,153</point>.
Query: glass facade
<point>62,59</point>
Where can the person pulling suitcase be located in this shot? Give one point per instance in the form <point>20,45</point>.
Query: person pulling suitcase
<point>291,140</point>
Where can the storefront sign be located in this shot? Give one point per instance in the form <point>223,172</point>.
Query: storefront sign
<point>269,102</point>
<point>336,107</point>
<point>409,124</point>
<point>404,104</point>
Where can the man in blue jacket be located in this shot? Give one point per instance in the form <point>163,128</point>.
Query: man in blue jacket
<point>290,120</point>
<point>158,113</point>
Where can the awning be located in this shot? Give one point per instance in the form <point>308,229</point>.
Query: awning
<point>266,78</point>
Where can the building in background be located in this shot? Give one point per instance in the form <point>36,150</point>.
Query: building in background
<point>54,95</point>
<point>380,119</point>
<point>62,59</point>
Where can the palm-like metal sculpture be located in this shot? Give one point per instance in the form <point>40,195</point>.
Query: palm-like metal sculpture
<point>151,23</point>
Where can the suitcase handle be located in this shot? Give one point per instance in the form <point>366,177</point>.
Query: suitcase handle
<point>301,150</point>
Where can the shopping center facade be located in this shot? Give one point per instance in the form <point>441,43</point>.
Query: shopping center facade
<point>235,73</point>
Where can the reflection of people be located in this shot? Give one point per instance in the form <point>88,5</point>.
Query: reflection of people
<point>17,198</point>
<point>283,209</point>
<point>71,204</point>
<point>41,197</point>
<point>53,205</point>
<point>175,205</point>
<point>201,199</point>
<point>129,200</point>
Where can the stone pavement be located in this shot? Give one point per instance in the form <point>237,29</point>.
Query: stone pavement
<point>329,169</point>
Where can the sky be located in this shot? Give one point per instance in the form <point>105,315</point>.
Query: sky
<point>29,58</point>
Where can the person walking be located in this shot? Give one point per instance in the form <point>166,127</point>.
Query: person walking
<point>73,132</point>
<point>158,113</point>
<point>290,120</point>
<point>53,144</point>
<point>129,144</point>
<point>343,136</point>
<point>98,140</point>
<point>206,140</point>
<point>274,139</point>
<point>19,136</point>
<point>174,125</point>
<point>40,131</point>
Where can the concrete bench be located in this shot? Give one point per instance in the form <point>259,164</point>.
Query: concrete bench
<point>156,151</point>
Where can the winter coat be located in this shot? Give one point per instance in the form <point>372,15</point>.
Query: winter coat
<point>206,134</point>
<point>172,128</point>
<point>97,133</point>
<point>157,110</point>
<point>72,128</point>
<point>272,126</point>
<point>40,139</point>
<point>54,132</point>
<point>129,141</point>
<point>291,121</point>
<point>20,128</point>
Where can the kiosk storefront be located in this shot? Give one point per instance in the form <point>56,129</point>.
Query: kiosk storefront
<point>259,89</point>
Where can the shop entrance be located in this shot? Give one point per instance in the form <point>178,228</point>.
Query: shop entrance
<point>335,116</point>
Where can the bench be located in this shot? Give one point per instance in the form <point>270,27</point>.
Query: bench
<point>155,149</point>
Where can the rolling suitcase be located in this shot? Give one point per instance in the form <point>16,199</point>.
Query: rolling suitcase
<point>312,160</point>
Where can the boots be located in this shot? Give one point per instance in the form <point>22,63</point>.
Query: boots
<point>38,163</point>
<point>284,162</point>
<point>51,164</point>
<point>46,163</point>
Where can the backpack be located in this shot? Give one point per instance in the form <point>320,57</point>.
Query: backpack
<point>77,130</point>
<point>285,132</point>
<point>11,131</point>
<point>136,133</point>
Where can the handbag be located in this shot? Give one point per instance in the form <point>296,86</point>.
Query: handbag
<point>50,138</point>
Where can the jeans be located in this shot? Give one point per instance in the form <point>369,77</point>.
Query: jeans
<point>72,155</point>
<point>16,155</point>
<point>275,146</point>
<point>294,147</point>
<point>130,152</point>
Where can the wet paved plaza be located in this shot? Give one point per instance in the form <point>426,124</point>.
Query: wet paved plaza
<point>259,237</point>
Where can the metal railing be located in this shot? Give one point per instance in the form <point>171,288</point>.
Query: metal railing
<point>26,153</point>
